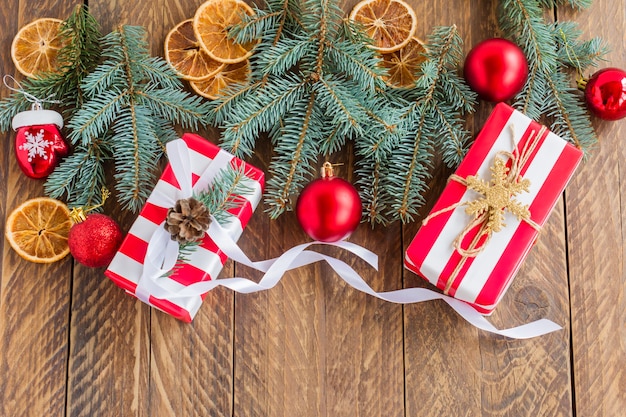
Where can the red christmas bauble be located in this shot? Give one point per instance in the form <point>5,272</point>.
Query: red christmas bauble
<point>496,69</point>
<point>605,93</point>
<point>39,145</point>
<point>94,241</point>
<point>329,208</point>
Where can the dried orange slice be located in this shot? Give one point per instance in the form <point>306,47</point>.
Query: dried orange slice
<point>186,56</point>
<point>402,65</point>
<point>389,23</point>
<point>36,46</point>
<point>211,23</point>
<point>37,230</point>
<point>231,74</point>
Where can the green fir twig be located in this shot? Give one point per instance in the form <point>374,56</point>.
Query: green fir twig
<point>132,102</point>
<point>223,196</point>
<point>550,48</point>
<point>77,58</point>
<point>314,86</point>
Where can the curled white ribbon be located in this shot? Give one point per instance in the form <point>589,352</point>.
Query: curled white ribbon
<point>162,254</point>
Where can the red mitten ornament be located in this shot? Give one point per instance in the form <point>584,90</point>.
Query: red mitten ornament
<point>94,238</point>
<point>329,208</point>
<point>38,142</point>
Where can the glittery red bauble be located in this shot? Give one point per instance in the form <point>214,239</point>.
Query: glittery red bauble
<point>39,145</point>
<point>496,69</point>
<point>94,241</point>
<point>329,209</point>
<point>605,93</point>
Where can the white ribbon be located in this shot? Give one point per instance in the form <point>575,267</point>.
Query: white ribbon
<point>162,251</point>
<point>162,254</point>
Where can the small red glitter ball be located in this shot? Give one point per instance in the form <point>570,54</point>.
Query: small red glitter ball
<point>94,241</point>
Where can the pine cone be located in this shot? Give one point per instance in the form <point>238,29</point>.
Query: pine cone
<point>188,220</point>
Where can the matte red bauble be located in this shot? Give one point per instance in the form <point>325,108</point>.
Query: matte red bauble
<point>605,93</point>
<point>329,208</point>
<point>94,241</point>
<point>496,69</point>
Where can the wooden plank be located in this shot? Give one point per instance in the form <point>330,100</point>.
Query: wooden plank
<point>110,331</point>
<point>312,345</point>
<point>190,364</point>
<point>454,369</point>
<point>596,228</point>
<point>34,299</point>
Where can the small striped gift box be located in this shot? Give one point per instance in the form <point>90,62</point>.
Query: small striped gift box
<point>207,260</point>
<point>441,251</point>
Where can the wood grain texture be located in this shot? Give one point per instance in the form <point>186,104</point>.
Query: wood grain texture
<point>596,225</point>
<point>34,299</point>
<point>109,364</point>
<point>453,369</point>
<point>72,343</point>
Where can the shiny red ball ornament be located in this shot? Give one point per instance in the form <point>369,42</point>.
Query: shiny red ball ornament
<point>329,208</point>
<point>94,240</point>
<point>605,93</point>
<point>496,69</point>
<point>39,145</point>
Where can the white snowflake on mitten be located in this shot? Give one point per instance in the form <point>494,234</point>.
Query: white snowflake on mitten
<point>35,145</point>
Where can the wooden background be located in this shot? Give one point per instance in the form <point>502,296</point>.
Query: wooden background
<point>72,343</point>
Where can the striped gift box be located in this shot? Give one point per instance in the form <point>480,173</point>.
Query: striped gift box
<point>482,280</point>
<point>208,260</point>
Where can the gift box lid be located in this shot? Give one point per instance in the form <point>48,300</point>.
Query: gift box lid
<point>483,279</point>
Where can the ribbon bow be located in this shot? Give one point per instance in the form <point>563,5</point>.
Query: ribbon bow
<point>162,252</point>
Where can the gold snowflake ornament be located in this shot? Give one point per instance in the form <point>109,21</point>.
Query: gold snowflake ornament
<point>497,196</point>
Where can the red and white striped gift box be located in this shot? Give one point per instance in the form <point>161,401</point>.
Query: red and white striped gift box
<point>482,280</point>
<point>207,260</point>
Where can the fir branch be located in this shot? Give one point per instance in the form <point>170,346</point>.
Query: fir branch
<point>80,175</point>
<point>344,113</point>
<point>369,183</point>
<point>174,105</point>
<point>280,94</point>
<point>576,4</point>
<point>548,48</point>
<point>364,66</point>
<point>313,88</point>
<point>295,154</point>
<point>131,102</point>
<point>227,192</point>
<point>96,116</point>
<point>137,150</point>
<point>438,100</point>
<point>573,53</point>
<point>277,61</point>
<point>78,57</point>
<point>12,105</point>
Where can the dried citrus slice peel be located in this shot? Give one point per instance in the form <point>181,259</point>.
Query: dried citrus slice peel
<point>37,230</point>
<point>211,23</point>
<point>186,56</point>
<point>389,23</point>
<point>36,46</point>
<point>403,64</point>
<point>231,74</point>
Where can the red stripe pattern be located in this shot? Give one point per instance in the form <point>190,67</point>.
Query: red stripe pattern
<point>125,269</point>
<point>483,280</point>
